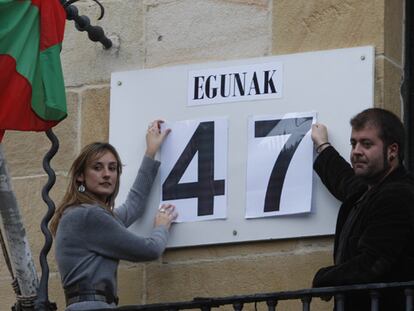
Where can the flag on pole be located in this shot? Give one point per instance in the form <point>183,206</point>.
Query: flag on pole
<point>32,90</point>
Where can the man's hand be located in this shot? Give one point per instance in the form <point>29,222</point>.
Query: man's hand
<point>320,136</point>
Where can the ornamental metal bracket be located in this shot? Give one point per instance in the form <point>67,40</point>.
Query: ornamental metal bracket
<point>83,23</point>
<point>42,302</point>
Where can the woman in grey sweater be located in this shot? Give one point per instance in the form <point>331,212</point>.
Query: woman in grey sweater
<point>91,236</point>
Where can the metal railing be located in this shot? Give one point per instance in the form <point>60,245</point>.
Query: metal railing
<point>271,300</point>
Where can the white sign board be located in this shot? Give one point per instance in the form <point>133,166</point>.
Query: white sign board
<point>335,84</point>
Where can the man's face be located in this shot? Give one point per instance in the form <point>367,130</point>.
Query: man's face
<point>367,154</point>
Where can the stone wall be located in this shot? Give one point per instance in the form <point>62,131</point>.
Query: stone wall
<point>154,33</point>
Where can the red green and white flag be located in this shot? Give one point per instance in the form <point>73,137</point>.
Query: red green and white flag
<point>32,90</point>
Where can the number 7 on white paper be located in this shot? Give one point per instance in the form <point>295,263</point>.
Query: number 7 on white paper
<point>279,169</point>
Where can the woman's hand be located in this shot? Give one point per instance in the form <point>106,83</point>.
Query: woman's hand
<point>155,137</point>
<point>165,216</point>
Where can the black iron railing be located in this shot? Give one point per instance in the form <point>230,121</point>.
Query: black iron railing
<point>306,296</point>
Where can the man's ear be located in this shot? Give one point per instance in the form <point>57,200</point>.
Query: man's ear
<point>393,151</point>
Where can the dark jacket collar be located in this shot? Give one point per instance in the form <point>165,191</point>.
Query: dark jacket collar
<point>396,174</point>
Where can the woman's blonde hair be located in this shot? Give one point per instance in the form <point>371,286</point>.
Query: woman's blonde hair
<point>73,196</point>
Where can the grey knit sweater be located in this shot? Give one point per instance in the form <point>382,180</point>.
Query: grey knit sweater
<point>90,241</point>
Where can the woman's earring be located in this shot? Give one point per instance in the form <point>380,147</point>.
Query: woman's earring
<point>81,188</point>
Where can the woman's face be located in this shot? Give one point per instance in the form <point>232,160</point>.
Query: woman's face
<point>100,176</point>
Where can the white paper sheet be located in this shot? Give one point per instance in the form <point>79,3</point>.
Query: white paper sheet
<point>282,145</point>
<point>194,169</point>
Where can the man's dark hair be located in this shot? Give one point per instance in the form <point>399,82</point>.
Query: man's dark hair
<point>391,129</point>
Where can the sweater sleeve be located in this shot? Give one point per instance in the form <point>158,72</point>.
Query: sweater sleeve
<point>104,235</point>
<point>336,173</point>
<point>134,205</point>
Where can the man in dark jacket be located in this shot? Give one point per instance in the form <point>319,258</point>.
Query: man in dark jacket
<point>374,237</point>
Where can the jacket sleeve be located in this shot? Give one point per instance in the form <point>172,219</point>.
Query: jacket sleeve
<point>385,237</point>
<point>104,235</point>
<point>135,204</point>
<point>336,173</point>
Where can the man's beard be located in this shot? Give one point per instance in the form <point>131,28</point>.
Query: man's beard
<point>373,179</point>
